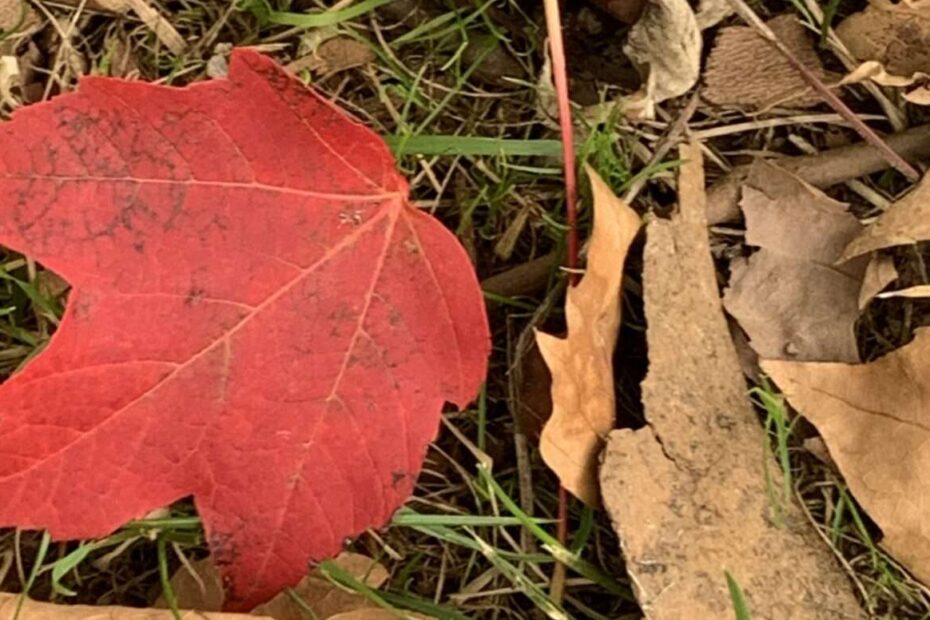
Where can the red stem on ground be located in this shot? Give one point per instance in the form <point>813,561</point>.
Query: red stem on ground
<point>560,75</point>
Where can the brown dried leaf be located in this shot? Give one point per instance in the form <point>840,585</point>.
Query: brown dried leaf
<point>325,599</point>
<point>196,585</point>
<point>875,420</point>
<point>790,297</point>
<point>34,610</point>
<point>744,70</point>
<point>896,35</point>
<point>905,222</point>
<point>204,590</point>
<point>534,394</point>
<point>627,11</point>
<point>687,493</point>
<point>17,16</point>
<point>583,408</point>
<point>893,42</point>
<point>879,273</point>
<point>334,55</point>
<point>375,613</point>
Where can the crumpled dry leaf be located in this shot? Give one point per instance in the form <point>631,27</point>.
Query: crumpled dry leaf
<point>9,78</point>
<point>34,610</point>
<point>893,42</point>
<point>791,297</point>
<point>687,493</point>
<point>583,409</point>
<point>665,47</point>
<point>744,70</point>
<point>875,420</point>
<point>712,12</point>
<point>203,590</point>
<point>905,222</point>
<point>873,70</point>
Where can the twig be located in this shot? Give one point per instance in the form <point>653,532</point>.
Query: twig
<point>157,23</point>
<point>669,141</point>
<point>870,195</point>
<point>560,74</point>
<point>896,161</point>
<point>821,170</point>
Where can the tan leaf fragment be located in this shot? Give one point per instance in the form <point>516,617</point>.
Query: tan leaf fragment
<point>790,297</point>
<point>687,493</point>
<point>202,589</point>
<point>879,273</point>
<point>196,585</point>
<point>34,610</point>
<point>745,71</point>
<point>905,222</point>
<point>583,407</point>
<point>322,596</point>
<point>9,78</point>
<point>375,613</point>
<point>665,47</point>
<point>920,291</point>
<point>111,6</point>
<point>17,17</point>
<point>875,420</point>
<point>712,12</point>
<point>334,55</point>
<point>892,40</point>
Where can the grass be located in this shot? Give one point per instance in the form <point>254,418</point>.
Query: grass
<point>476,541</point>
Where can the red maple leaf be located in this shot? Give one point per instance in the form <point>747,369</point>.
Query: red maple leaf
<point>259,319</point>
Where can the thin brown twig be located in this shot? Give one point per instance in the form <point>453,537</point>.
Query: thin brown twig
<point>896,161</point>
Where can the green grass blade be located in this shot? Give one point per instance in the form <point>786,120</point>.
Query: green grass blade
<point>552,545</point>
<point>33,573</point>
<point>325,18</point>
<point>65,565</point>
<point>736,595</point>
<point>473,145</point>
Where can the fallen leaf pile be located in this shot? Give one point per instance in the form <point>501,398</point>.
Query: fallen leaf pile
<point>258,319</point>
<point>687,493</point>
<point>873,416</point>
